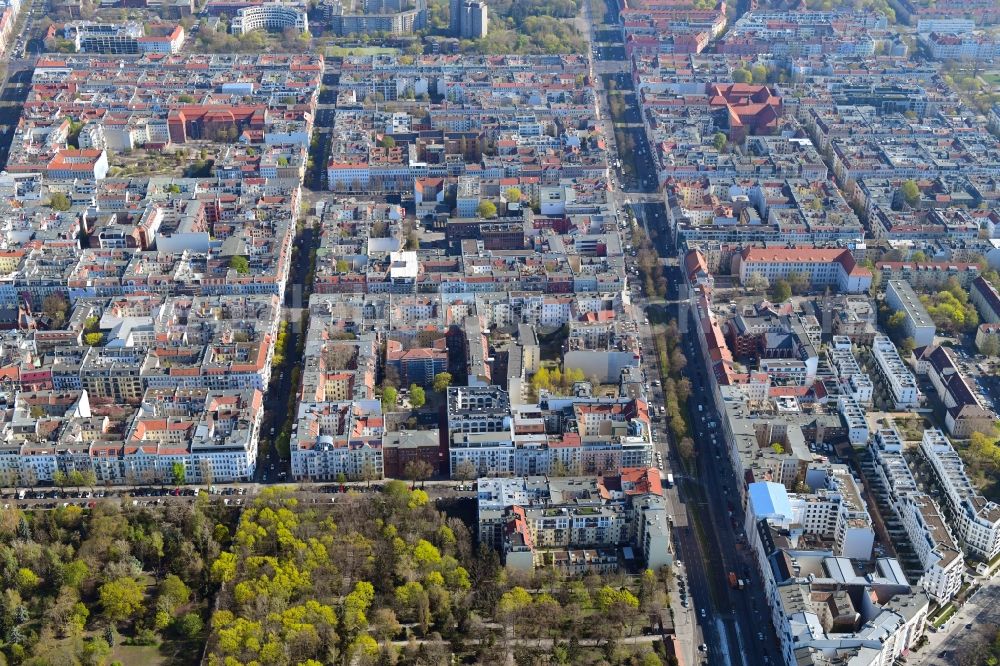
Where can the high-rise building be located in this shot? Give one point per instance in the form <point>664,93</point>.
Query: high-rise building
<point>455,17</point>
<point>472,19</point>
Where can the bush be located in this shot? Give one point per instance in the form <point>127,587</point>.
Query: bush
<point>143,636</point>
<point>189,625</point>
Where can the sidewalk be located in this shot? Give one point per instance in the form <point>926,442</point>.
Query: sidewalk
<point>685,626</point>
<point>982,611</point>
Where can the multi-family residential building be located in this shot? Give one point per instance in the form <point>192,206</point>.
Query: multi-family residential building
<point>812,592</point>
<point>480,431</point>
<point>917,323</point>
<point>576,524</point>
<point>857,382</point>
<point>855,420</point>
<point>960,46</point>
<point>335,440</point>
<point>124,38</point>
<point>941,559</point>
<point>787,33</point>
<point>269,16</point>
<point>417,365</point>
<point>474,20</point>
<point>964,411</point>
<point>935,547</point>
<point>836,510</point>
<point>930,275</point>
<point>986,298</point>
<point>370,17</point>
<point>976,520</point>
<point>210,435</point>
<point>895,375</point>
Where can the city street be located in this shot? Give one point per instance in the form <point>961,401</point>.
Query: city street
<point>732,625</point>
<point>713,491</point>
<point>979,616</point>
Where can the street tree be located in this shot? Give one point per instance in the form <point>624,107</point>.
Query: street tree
<point>417,470</point>
<point>464,471</point>
<point>178,473</point>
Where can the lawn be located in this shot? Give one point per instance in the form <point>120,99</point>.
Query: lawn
<point>944,615</point>
<point>168,653</point>
<point>140,654</point>
<point>992,77</point>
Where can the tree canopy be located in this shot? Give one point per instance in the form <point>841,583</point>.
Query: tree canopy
<point>442,381</point>
<point>487,209</point>
<point>911,192</point>
<point>781,291</point>
<point>951,309</point>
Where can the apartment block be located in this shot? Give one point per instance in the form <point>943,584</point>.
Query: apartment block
<point>895,375</point>
<point>930,275</point>
<point>212,434</point>
<point>855,420</point>
<point>856,382</point>
<point>480,431</point>
<point>269,16</point>
<point>964,411</point>
<point>402,447</point>
<point>975,519</point>
<point>941,559</point>
<point>986,298</point>
<point>917,323</point>
<point>576,524</point>
<point>835,510</point>
<point>938,552</point>
<point>812,593</point>
<point>333,439</point>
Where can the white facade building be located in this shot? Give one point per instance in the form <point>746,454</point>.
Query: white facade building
<point>936,549</point>
<point>270,16</point>
<point>916,322</point>
<point>900,381</point>
<point>977,520</point>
